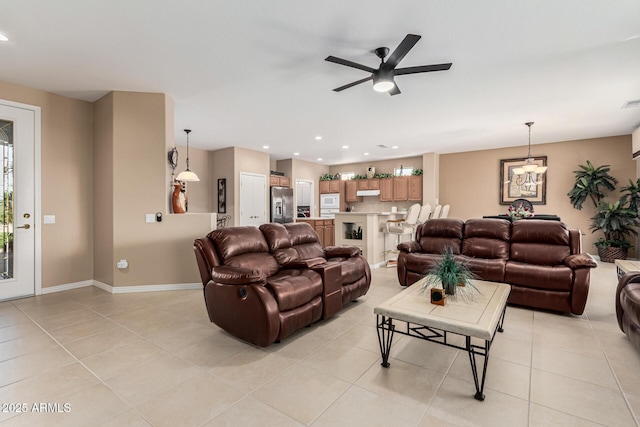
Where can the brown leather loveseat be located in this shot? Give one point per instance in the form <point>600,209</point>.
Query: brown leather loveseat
<point>541,260</point>
<point>628,306</point>
<point>263,284</point>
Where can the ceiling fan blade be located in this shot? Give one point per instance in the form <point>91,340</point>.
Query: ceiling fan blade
<point>395,90</point>
<point>403,48</point>
<point>338,89</point>
<point>422,69</point>
<point>349,63</point>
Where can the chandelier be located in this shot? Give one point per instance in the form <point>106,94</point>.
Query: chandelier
<point>530,174</point>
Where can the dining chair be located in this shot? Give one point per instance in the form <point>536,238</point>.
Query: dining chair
<point>445,211</point>
<point>425,212</point>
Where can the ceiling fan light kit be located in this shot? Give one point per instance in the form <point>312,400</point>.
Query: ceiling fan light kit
<point>383,77</point>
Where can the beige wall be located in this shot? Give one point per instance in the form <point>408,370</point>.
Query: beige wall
<point>67,183</point>
<point>469,181</point>
<point>103,190</point>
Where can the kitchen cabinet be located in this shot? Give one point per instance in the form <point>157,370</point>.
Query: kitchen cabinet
<point>327,187</point>
<point>325,228</point>
<point>350,191</point>
<point>368,184</point>
<point>279,181</point>
<point>400,188</point>
<point>386,189</point>
<point>414,188</point>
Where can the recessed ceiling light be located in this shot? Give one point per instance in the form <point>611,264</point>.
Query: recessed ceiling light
<point>296,154</point>
<point>393,147</point>
<point>318,138</point>
<point>319,159</point>
<point>366,154</point>
<point>345,147</point>
<point>266,147</point>
<point>3,38</point>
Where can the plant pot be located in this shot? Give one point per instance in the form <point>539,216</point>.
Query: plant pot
<point>611,253</point>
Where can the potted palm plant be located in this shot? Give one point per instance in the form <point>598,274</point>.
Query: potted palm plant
<point>618,222</point>
<point>452,275</point>
<point>590,183</point>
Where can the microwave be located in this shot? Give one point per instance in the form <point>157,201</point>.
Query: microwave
<point>330,201</point>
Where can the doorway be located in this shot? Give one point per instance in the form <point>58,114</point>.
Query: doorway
<point>305,206</point>
<point>19,140</point>
<point>253,199</point>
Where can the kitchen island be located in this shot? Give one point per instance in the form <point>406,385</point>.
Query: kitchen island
<point>366,230</point>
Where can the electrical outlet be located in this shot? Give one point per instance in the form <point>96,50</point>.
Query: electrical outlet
<point>151,217</point>
<point>49,219</point>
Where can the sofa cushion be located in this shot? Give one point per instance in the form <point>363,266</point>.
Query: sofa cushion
<point>553,278</point>
<point>293,288</point>
<point>487,238</point>
<point>305,240</point>
<point>279,242</point>
<point>540,242</point>
<point>421,263</point>
<point>487,269</point>
<point>436,234</point>
<point>351,269</point>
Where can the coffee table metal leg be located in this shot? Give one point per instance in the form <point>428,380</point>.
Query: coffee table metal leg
<point>385,337</point>
<point>474,367</point>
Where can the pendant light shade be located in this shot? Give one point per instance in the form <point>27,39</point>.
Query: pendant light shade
<point>530,174</point>
<point>187,175</point>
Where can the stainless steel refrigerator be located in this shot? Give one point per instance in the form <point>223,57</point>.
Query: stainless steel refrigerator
<point>282,204</point>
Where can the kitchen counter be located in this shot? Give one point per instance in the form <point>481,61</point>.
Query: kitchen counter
<point>366,230</point>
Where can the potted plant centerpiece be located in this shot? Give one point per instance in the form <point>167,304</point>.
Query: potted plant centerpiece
<point>451,276</point>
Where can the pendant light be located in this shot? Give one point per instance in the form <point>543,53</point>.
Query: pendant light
<point>187,175</point>
<point>527,175</point>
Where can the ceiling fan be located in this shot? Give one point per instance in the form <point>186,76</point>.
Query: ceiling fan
<point>383,76</point>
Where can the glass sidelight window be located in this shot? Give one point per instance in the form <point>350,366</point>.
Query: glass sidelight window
<point>6,211</point>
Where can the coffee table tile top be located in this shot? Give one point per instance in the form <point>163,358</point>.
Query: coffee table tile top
<point>477,318</point>
<point>624,266</point>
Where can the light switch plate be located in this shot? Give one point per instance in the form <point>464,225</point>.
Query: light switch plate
<point>151,217</point>
<point>49,219</point>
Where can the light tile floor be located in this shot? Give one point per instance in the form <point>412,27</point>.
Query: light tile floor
<point>155,359</point>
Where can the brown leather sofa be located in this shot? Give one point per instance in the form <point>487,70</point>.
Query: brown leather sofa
<point>263,284</point>
<point>541,260</point>
<point>628,306</point>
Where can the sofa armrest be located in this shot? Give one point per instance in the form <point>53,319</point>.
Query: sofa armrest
<point>237,275</point>
<point>580,261</point>
<point>410,247</point>
<point>341,251</point>
<point>304,263</point>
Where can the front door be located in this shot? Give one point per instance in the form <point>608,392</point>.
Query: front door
<point>17,196</point>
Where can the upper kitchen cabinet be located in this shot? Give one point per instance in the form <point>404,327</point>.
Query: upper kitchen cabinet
<point>328,187</point>
<point>351,191</point>
<point>279,181</point>
<point>400,188</point>
<point>386,189</point>
<point>368,184</point>
<point>414,188</point>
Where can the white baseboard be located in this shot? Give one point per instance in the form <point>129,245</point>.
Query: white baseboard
<point>66,287</point>
<point>121,289</point>
<point>146,288</point>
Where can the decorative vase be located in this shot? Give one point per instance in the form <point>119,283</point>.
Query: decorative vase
<point>179,199</point>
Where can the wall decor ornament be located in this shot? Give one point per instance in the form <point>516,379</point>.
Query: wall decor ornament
<point>179,198</point>
<point>222,195</point>
<point>532,187</point>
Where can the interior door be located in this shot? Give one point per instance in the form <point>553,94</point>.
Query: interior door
<point>17,179</point>
<point>253,199</point>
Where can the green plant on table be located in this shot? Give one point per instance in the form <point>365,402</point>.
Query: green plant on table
<point>453,275</point>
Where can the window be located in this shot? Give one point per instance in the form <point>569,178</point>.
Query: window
<point>345,176</point>
<point>402,171</point>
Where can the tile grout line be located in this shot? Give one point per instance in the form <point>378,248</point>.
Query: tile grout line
<point>131,407</point>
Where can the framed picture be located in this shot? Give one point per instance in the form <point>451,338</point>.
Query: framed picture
<point>530,187</point>
<point>222,195</point>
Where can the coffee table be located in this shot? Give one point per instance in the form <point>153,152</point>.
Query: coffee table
<point>624,266</point>
<point>478,319</point>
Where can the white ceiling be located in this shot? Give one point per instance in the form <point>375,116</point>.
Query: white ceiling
<point>252,73</point>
